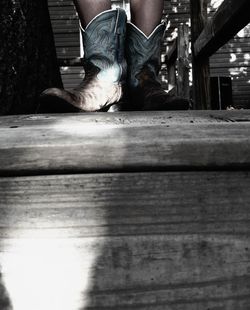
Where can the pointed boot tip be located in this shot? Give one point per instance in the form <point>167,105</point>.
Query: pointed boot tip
<point>51,101</point>
<point>51,92</point>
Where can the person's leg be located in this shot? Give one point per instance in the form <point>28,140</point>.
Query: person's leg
<point>88,9</point>
<point>146,14</point>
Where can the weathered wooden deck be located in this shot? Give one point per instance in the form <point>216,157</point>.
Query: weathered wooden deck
<point>125,211</point>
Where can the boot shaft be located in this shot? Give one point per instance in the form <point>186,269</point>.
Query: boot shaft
<point>143,52</point>
<point>104,43</point>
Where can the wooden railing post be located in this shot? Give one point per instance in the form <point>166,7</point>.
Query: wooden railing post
<point>200,66</point>
<point>171,77</point>
<point>183,61</point>
<point>171,66</point>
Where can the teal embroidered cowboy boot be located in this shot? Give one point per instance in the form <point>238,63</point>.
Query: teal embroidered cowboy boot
<point>143,54</point>
<point>104,66</point>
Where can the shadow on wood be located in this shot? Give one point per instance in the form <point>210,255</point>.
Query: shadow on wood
<point>103,241</point>
<point>96,236</point>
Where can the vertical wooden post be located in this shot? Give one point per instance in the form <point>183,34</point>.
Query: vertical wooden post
<point>171,67</point>
<point>201,75</point>
<point>183,61</point>
<point>171,76</point>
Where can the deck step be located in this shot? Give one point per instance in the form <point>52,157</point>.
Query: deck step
<point>105,211</point>
<point>101,142</point>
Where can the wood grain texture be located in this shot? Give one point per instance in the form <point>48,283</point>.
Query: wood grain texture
<point>231,54</point>
<point>170,201</point>
<point>135,141</point>
<point>183,62</point>
<point>229,19</point>
<point>200,66</point>
<point>140,240</point>
<point>172,52</point>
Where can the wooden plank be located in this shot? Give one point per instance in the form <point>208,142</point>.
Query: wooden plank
<point>172,53</point>
<point>122,119</point>
<point>130,141</point>
<point>183,65</point>
<point>237,46</point>
<point>200,67</point>
<point>73,62</point>
<point>168,202</point>
<point>177,60</point>
<point>126,241</point>
<point>239,67</point>
<point>68,53</point>
<point>172,78</point>
<point>230,17</point>
<point>60,3</point>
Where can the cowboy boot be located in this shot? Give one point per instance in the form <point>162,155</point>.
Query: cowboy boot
<point>104,65</point>
<point>143,55</point>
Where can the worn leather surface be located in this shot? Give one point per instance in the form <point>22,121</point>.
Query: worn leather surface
<point>143,51</point>
<point>104,65</point>
<point>103,41</point>
<point>144,90</point>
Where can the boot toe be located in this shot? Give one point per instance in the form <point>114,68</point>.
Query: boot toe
<point>52,100</point>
